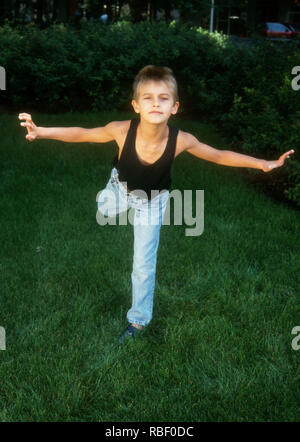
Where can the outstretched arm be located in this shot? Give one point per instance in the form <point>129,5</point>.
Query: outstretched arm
<point>229,158</point>
<point>69,134</point>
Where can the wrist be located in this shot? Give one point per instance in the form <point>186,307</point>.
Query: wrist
<point>39,132</point>
<point>262,165</point>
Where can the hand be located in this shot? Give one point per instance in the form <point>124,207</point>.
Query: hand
<point>267,166</point>
<point>30,126</point>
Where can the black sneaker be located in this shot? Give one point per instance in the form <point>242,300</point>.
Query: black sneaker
<point>130,333</point>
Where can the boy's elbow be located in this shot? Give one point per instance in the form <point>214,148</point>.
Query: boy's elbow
<point>82,135</point>
<point>219,156</point>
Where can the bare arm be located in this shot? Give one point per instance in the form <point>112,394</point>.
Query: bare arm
<point>234,159</point>
<point>229,158</point>
<point>69,134</point>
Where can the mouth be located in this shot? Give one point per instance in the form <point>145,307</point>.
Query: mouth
<point>155,112</point>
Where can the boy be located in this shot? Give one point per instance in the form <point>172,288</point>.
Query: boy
<point>147,148</point>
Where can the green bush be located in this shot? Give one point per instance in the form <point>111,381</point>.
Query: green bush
<point>61,68</point>
<point>245,90</point>
<point>264,117</point>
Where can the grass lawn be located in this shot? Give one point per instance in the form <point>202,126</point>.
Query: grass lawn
<point>219,345</point>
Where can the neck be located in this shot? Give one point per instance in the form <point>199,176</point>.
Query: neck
<point>152,134</point>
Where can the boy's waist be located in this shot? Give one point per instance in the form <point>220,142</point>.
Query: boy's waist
<point>138,190</point>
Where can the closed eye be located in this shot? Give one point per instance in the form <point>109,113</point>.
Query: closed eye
<point>164,98</point>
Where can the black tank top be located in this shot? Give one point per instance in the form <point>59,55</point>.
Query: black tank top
<point>156,176</point>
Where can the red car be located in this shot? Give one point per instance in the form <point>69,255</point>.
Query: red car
<point>295,28</point>
<point>277,30</point>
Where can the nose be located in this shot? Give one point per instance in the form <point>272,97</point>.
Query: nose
<point>156,102</point>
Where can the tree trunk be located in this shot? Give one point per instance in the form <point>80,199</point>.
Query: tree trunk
<point>167,9</point>
<point>153,10</point>
<point>136,10</point>
<point>17,10</point>
<point>6,8</point>
<point>61,10</point>
<point>40,7</point>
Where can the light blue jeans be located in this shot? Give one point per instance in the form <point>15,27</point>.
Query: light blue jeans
<point>147,221</point>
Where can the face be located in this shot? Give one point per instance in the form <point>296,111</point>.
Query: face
<point>155,101</point>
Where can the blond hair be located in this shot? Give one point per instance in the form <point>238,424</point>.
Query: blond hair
<point>155,73</point>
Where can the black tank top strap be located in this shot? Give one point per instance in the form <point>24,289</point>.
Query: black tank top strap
<point>128,140</point>
<point>172,142</point>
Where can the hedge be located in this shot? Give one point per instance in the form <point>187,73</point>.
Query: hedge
<point>245,90</point>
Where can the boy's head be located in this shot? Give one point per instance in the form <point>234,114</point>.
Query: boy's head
<point>158,74</point>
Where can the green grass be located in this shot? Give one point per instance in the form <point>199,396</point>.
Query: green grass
<point>219,345</point>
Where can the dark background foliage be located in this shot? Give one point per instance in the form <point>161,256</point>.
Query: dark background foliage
<point>245,90</point>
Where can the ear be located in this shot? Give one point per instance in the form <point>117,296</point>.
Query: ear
<point>135,106</point>
<point>175,108</point>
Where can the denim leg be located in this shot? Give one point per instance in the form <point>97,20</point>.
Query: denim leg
<point>146,241</point>
<point>112,200</point>
<point>148,217</point>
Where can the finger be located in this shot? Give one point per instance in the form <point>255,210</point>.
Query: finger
<point>290,152</point>
<point>29,137</point>
<point>28,125</point>
<point>28,120</point>
<point>287,154</point>
<point>24,116</point>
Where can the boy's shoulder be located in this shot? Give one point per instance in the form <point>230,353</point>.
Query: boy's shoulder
<point>184,140</point>
<point>119,127</point>
<point>122,125</point>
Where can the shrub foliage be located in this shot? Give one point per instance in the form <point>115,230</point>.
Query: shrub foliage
<point>245,89</point>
